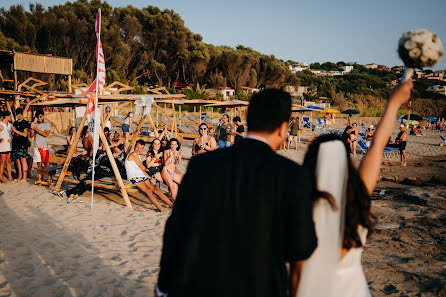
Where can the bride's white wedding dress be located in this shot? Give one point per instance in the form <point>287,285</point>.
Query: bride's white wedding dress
<point>350,280</point>
<point>325,274</point>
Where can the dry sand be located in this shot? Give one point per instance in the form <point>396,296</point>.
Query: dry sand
<point>51,248</point>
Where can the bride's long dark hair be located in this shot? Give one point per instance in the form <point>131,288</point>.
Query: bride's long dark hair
<point>358,201</point>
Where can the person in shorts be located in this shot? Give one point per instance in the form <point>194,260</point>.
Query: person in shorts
<point>5,144</point>
<point>224,132</point>
<point>294,130</point>
<point>20,144</point>
<point>40,131</point>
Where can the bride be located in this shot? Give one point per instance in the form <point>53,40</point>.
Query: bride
<point>341,210</point>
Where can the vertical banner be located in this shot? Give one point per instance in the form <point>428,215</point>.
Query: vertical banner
<point>92,94</point>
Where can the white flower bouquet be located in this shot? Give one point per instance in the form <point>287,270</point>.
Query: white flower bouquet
<point>419,48</point>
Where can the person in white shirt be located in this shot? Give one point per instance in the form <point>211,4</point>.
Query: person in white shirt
<point>5,144</point>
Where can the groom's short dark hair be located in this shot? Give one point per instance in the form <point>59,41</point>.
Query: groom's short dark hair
<point>268,109</point>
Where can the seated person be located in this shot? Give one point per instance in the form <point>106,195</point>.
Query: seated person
<point>154,160</point>
<point>87,143</point>
<point>102,169</point>
<point>170,173</point>
<point>136,173</point>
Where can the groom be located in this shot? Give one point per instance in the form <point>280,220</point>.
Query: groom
<point>241,214</point>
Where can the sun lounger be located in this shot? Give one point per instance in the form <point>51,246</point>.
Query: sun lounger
<point>363,127</point>
<point>442,139</point>
<point>388,151</point>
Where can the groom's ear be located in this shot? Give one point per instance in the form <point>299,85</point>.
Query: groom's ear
<point>283,130</point>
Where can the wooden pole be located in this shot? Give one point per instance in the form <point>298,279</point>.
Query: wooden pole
<point>69,84</point>
<point>200,114</point>
<point>179,114</point>
<point>71,152</point>
<point>135,135</point>
<point>212,115</point>
<point>174,125</point>
<point>115,168</point>
<point>8,105</point>
<point>157,119</point>
<point>15,79</point>
<point>152,124</point>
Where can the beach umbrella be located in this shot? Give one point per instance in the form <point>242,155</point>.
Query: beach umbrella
<point>330,110</point>
<point>313,107</point>
<point>350,112</point>
<point>413,117</point>
<point>430,119</point>
<point>411,122</point>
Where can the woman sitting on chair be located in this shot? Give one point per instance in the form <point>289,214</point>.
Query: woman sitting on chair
<point>154,160</point>
<point>136,173</point>
<point>170,174</point>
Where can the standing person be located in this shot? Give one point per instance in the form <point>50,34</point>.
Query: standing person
<point>204,143</point>
<point>237,241</point>
<point>224,132</point>
<point>5,144</point>
<point>342,209</point>
<point>369,136</point>
<point>239,131</point>
<point>294,130</point>
<point>346,136</point>
<point>354,138</point>
<point>40,131</point>
<point>20,144</point>
<point>401,142</point>
<point>106,117</point>
<point>127,128</point>
<point>136,173</point>
<point>170,174</point>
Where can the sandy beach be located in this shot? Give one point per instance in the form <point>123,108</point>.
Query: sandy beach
<point>51,248</point>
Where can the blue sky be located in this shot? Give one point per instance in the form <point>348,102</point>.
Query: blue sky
<point>306,31</point>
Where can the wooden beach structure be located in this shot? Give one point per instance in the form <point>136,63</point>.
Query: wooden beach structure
<point>29,97</point>
<point>17,61</point>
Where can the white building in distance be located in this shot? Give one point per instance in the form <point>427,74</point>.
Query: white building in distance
<point>347,68</point>
<point>297,67</point>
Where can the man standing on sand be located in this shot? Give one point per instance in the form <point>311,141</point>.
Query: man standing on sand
<point>20,144</point>
<point>237,241</point>
<point>400,141</point>
<point>294,130</point>
<point>41,130</point>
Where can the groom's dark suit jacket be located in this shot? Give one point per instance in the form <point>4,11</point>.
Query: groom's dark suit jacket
<point>241,214</point>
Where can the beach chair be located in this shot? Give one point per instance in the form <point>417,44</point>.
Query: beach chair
<point>388,151</point>
<point>443,140</point>
<point>363,127</point>
<point>362,135</point>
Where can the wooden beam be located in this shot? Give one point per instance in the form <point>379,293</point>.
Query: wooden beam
<point>69,84</point>
<point>8,105</point>
<point>135,134</point>
<point>152,124</point>
<point>71,151</point>
<point>115,168</point>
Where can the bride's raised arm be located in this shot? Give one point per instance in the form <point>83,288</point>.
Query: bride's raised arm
<point>371,163</point>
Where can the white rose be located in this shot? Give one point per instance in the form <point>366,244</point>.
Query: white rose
<point>424,59</point>
<point>418,39</point>
<point>409,45</point>
<point>414,53</point>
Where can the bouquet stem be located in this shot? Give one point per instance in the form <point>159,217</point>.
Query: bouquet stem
<point>407,74</point>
